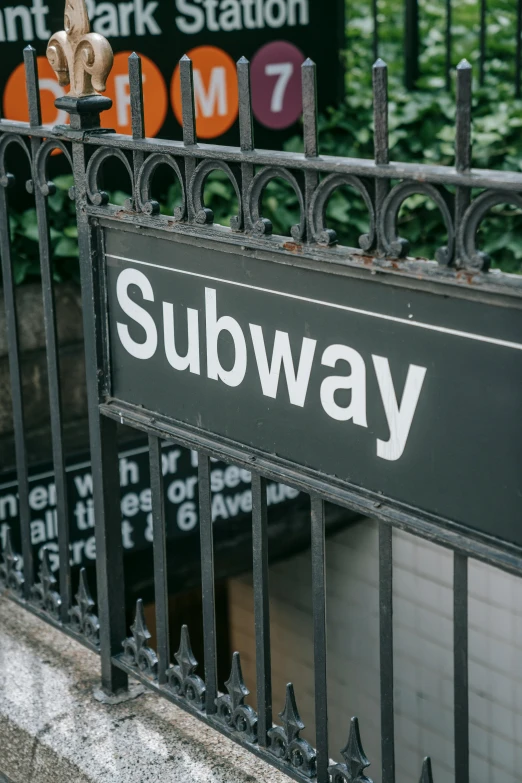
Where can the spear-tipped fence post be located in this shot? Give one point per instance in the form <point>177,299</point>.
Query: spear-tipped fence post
<point>309,93</point>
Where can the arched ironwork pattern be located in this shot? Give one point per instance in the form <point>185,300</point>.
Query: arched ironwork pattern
<point>144,183</point>
<point>470,256</point>
<point>204,215</point>
<point>318,204</point>
<point>6,179</point>
<point>395,246</point>
<point>97,196</point>
<point>41,162</point>
<point>262,226</point>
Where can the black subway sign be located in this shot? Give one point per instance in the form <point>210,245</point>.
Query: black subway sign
<point>393,389</point>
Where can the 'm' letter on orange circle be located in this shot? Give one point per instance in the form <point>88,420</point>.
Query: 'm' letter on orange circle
<point>215,91</point>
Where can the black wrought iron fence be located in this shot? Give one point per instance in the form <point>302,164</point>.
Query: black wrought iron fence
<point>463,195</point>
<point>414,14</point>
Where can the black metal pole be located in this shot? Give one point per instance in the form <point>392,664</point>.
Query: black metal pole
<point>85,116</point>
<point>319,616</point>
<point>518,56</point>
<point>411,44</point>
<point>161,592</point>
<point>261,607</point>
<point>482,42</point>
<point>386,652</point>
<point>448,44</point>
<point>460,671</point>
<point>51,343</point>
<point>207,582</point>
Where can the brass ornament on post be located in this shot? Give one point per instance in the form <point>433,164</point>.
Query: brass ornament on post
<point>84,61</point>
<point>77,56</point>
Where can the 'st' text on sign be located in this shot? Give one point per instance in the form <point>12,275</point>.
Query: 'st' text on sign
<point>383,386</point>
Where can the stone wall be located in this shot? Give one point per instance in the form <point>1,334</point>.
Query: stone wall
<point>34,373</point>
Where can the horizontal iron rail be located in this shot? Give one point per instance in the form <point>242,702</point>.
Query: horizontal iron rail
<point>494,287</point>
<point>477,545</point>
<point>364,167</point>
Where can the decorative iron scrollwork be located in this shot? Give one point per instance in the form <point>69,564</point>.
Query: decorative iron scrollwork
<point>355,761</point>
<point>43,594</point>
<point>11,575</point>
<point>145,176</point>
<point>319,201</point>
<point>41,161</point>
<point>470,257</point>
<point>285,742</point>
<point>395,246</point>
<point>77,56</point>
<point>203,214</point>
<point>262,226</point>
<point>232,710</point>
<point>100,197</point>
<point>136,652</point>
<point>7,180</point>
<point>182,678</point>
<point>426,774</point>
<point>83,619</point>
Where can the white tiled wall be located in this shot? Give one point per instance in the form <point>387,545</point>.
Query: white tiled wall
<point>423,609</point>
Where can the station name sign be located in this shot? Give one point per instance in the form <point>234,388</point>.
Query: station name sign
<point>395,390</point>
<point>275,35</point>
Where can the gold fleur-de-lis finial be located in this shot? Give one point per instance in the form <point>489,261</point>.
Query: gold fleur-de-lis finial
<point>77,56</point>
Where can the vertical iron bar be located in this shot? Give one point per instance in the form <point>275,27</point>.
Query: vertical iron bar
<point>375,12</point>
<point>411,44</point>
<point>188,110</point>
<point>463,129</point>
<point>463,139</point>
<point>161,592</point>
<point>482,44</point>
<point>136,96</point>
<point>319,614</point>
<point>380,112</point>
<point>15,378</point>
<point>246,123</point>
<point>246,134</point>
<point>103,443</point>
<point>448,44</point>
<point>15,373</point>
<point>518,55</point>
<point>137,118</point>
<point>51,341</point>
<point>32,87</point>
<point>308,75</point>
<point>386,651</point>
<point>381,151</point>
<point>207,582</point>
<point>309,93</point>
<point>460,672</point>
<point>261,607</point>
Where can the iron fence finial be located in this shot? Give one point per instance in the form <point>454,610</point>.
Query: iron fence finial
<point>80,58</point>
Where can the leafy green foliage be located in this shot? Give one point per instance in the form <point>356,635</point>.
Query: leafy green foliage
<point>422,123</point>
<point>422,129</point>
<point>63,236</point>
